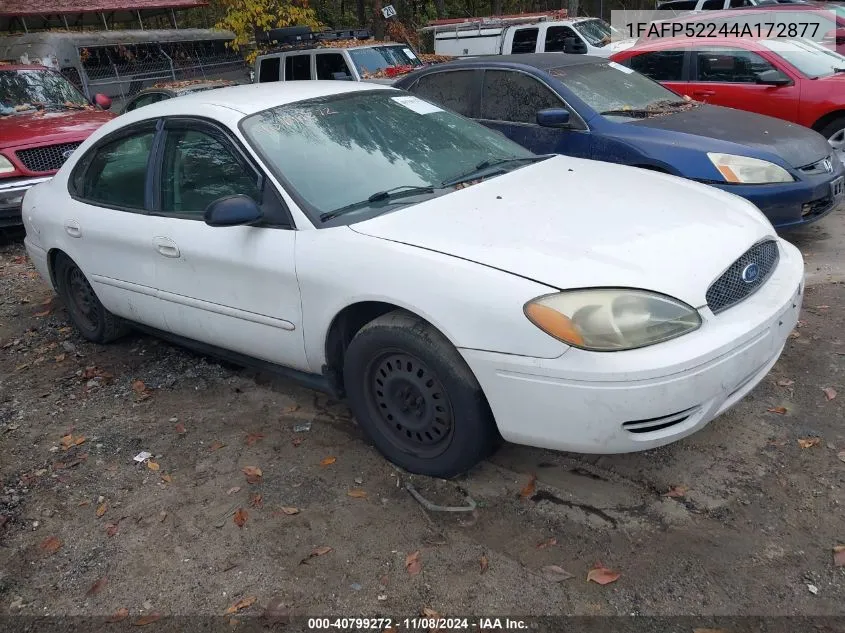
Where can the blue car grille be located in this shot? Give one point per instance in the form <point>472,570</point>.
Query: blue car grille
<point>731,288</point>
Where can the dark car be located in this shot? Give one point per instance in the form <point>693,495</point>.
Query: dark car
<point>592,108</point>
<point>168,90</point>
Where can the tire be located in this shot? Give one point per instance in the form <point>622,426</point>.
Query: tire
<point>416,398</point>
<point>834,132</point>
<point>88,315</point>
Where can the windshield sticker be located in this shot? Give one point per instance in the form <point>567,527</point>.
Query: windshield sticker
<point>417,105</point>
<point>624,69</point>
<point>409,53</point>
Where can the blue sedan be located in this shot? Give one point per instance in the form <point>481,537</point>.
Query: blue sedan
<point>591,108</point>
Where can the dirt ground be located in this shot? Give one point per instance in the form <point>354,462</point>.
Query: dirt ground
<point>329,528</point>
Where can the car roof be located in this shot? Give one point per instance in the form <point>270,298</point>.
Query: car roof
<point>251,98</point>
<point>540,61</point>
<point>308,48</point>
<point>189,86</point>
<point>662,43</point>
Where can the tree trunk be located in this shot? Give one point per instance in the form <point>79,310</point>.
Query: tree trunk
<point>497,7</point>
<point>440,7</point>
<point>362,16</point>
<point>378,21</point>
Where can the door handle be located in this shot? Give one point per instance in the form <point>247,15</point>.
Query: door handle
<point>166,247</point>
<point>704,93</point>
<point>72,228</point>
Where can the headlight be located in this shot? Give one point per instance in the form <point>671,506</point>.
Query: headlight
<point>611,319</point>
<point>6,167</point>
<point>747,170</point>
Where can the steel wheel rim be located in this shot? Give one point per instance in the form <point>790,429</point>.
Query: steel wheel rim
<point>82,300</point>
<point>837,142</point>
<point>409,404</point>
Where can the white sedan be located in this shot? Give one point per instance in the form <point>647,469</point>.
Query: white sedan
<point>455,287</point>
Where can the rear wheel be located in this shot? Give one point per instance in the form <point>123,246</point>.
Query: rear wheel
<point>415,397</point>
<point>89,316</point>
<point>834,132</point>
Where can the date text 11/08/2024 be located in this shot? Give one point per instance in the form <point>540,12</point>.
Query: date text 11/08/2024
<point>419,624</point>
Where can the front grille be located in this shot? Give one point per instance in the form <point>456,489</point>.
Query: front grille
<point>816,207</point>
<point>737,282</point>
<point>823,166</point>
<point>47,158</point>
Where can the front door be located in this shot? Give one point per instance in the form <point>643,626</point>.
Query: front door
<point>232,287</point>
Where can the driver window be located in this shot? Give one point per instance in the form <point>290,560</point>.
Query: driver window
<point>197,170</point>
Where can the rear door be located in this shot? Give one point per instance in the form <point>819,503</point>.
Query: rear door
<point>727,76</point>
<point>510,100</point>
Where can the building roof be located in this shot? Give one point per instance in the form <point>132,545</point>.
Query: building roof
<point>52,7</point>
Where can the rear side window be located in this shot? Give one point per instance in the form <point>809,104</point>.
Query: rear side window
<point>514,97</point>
<point>331,66</point>
<point>660,65</point>
<point>453,90</point>
<point>730,66</point>
<point>679,5</point>
<point>297,67</point>
<point>711,5</point>
<point>269,69</point>
<point>147,99</point>
<point>556,36</point>
<point>117,172</point>
<point>524,41</point>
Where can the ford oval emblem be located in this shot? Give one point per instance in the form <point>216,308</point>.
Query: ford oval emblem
<point>66,154</point>
<point>750,273</point>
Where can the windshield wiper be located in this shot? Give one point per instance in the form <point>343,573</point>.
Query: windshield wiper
<point>655,108</point>
<point>487,164</point>
<point>401,191</point>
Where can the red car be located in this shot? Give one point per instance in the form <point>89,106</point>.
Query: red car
<point>794,80</point>
<point>43,118</point>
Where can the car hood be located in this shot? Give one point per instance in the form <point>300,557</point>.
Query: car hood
<point>797,145</point>
<point>573,223</point>
<point>50,127</point>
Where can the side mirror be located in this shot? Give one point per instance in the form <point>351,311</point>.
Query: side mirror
<point>102,100</point>
<point>341,76</point>
<point>773,77</point>
<point>233,211</point>
<point>574,46</point>
<point>553,117</point>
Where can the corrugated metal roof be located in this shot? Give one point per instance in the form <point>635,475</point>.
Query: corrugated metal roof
<point>45,7</point>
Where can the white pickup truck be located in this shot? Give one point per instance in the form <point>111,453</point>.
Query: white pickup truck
<point>528,33</point>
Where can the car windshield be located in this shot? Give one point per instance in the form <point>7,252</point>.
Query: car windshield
<point>597,32</point>
<point>372,60</point>
<point>618,92</point>
<point>338,151</point>
<point>808,57</point>
<point>22,90</point>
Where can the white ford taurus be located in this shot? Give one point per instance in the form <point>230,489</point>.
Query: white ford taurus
<point>455,287</point>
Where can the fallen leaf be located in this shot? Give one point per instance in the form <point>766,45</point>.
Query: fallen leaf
<point>778,410</point>
<point>243,603</point>
<point>841,456</point>
<point>111,529</point>
<point>829,393</point>
<point>69,441</point>
<point>529,487</point>
<point>253,474</point>
<point>809,442</point>
<point>296,441</point>
<point>60,358</point>
<point>216,446</point>
<point>43,313</point>
<point>51,545</point>
<point>413,564</point>
<point>240,517</point>
<point>180,429</point>
<point>484,563</point>
<point>97,586</point>
<point>119,616</point>
<point>555,573</point>
<point>785,382</point>
<point>167,478</point>
<point>233,490</point>
<point>286,510</point>
<point>602,575</point>
<point>144,620</point>
<point>292,409</point>
<point>95,372</point>
<point>357,493</point>
<point>430,613</point>
<point>140,389</point>
<point>549,542</point>
<point>153,465</point>
<point>252,438</point>
<point>101,509</point>
<point>317,551</point>
<point>256,502</point>
<point>676,491</point>
<point>162,516</point>
<point>839,555</point>
<point>328,461</point>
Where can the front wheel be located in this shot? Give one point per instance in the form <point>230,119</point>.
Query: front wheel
<point>834,132</point>
<point>415,397</point>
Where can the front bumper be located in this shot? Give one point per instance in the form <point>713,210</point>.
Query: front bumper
<point>793,204</point>
<point>620,402</point>
<point>12,192</point>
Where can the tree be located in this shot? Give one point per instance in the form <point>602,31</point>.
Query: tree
<point>243,17</point>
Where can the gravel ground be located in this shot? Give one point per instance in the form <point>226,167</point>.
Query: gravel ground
<point>749,527</point>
